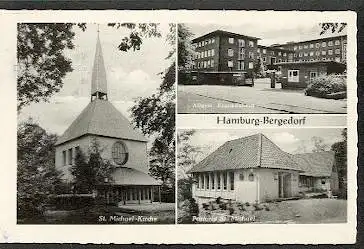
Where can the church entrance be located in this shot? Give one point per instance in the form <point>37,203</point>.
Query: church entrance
<point>124,195</point>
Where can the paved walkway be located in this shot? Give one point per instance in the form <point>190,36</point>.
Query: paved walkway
<point>258,99</point>
<point>155,206</point>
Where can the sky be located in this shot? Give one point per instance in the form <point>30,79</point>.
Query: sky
<point>129,75</point>
<point>289,140</point>
<point>269,32</point>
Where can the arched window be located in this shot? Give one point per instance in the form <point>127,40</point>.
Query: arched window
<point>251,177</point>
<point>120,153</point>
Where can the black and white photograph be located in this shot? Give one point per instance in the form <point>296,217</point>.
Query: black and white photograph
<point>262,66</point>
<point>96,123</point>
<point>290,176</point>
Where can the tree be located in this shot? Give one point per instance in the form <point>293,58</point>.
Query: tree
<point>333,27</point>
<point>37,177</point>
<point>155,116</point>
<point>319,144</point>
<point>187,206</point>
<point>42,64</point>
<point>185,49</point>
<point>91,171</point>
<point>340,149</point>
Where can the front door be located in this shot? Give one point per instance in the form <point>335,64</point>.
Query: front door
<point>293,75</point>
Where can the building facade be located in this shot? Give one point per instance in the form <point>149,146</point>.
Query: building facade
<point>222,51</point>
<point>271,55</point>
<point>124,147</point>
<point>254,169</point>
<point>323,49</point>
<point>249,169</point>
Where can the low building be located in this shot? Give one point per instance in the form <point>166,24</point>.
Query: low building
<point>300,74</point>
<point>320,172</point>
<point>121,145</point>
<point>254,169</point>
<point>248,169</point>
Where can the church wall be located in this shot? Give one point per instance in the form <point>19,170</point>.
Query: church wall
<point>82,142</point>
<point>137,158</point>
<point>137,150</point>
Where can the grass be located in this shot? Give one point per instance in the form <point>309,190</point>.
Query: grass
<point>101,214</point>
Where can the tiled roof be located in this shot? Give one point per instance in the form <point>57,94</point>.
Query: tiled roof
<point>128,176</point>
<point>316,163</point>
<point>100,117</point>
<point>247,152</point>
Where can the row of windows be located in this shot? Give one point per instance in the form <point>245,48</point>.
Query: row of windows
<point>205,64</point>
<point>130,194</point>
<point>241,55</point>
<point>218,180</point>
<point>241,64</point>
<point>337,59</point>
<point>68,156</point>
<point>204,54</point>
<point>203,43</point>
<point>318,53</point>
<point>317,45</point>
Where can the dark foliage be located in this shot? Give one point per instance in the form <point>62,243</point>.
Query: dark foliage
<point>325,85</point>
<point>37,177</point>
<point>91,171</point>
<point>340,149</point>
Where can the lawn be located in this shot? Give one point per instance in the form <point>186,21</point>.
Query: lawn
<point>303,211</point>
<point>101,214</point>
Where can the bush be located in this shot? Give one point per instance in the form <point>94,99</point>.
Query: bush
<point>189,208</point>
<point>326,85</point>
<point>223,206</point>
<point>218,200</point>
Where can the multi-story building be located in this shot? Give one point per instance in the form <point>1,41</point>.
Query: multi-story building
<point>323,49</point>
<point>271,55</point>
<point>223,51</point>
<point>226,56</point>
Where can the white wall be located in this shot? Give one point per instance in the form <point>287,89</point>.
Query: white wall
<point>268,184</point>
<point>138,157</point>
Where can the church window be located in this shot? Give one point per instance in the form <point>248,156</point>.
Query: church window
<point>70,157</point>
<point>64,158</point>
<point>120,153</point>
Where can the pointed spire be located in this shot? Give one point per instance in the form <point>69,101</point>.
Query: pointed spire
<point>98,80</point>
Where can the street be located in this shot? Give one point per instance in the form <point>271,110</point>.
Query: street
<point>258,99</point>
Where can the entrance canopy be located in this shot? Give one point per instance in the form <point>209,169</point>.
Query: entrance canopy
<point>128,176</point>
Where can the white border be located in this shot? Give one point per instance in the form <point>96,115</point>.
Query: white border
<point>221,234</point>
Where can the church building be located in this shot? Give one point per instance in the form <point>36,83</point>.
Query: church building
<point>121,144</point>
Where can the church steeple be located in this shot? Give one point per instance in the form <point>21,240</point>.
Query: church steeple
<point>98,81</point>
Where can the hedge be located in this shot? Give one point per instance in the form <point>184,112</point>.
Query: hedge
<point>327,86</point>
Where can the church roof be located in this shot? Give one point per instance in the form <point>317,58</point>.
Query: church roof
<point>255,151</point>
<point>100,117</point>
